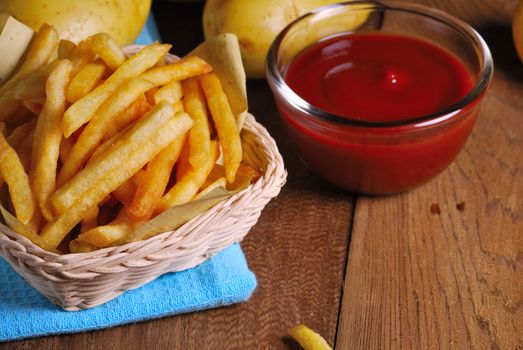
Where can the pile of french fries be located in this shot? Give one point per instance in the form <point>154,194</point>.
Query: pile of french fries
<point>94,144</point>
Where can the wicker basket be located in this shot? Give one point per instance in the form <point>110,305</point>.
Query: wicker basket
<point>81,281</point>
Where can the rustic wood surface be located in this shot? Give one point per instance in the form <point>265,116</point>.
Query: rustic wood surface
<point>412,278</point>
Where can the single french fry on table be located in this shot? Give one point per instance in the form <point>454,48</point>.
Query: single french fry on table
<point>308,339</point>
<point>48,135</point>
<point>91,185</point>
<point>224,122</point>
<point>83,110</point>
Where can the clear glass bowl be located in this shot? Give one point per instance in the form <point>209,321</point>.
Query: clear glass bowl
<point>379,157</point>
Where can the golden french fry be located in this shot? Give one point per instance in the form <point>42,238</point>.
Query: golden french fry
<point>134,149</point>
<point>46,145</point>
<point>102,236</point>
<point>90,219</point>
<point>86,80</point>
<point>104,46</point>
<point>125,192</point>
<point>221,182</point>
<point>9,105</point>
<point>126,154</point>
<point>177,71</point>
<point>77,247</point>
<point>150,191</point>
<point>135,111</point>
<point>80,58</point>
<point>65,148</point>
<point>19,134</point>
<point>42,47</point>
<point>32,87</point>
<point>308,339</point>
<point>171,93</point>
<point>185,189</point>
<point>149,95</point>
<point>17,181</point>
<point>65,49</point>
<point>199,135</point>
<point>27,230</point>
<point>89,139</point>
<point>224,122</point>
<point>83,110</point>
<point>25,150</point>
<point>182,165</point>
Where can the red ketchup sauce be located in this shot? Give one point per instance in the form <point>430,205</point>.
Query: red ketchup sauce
<point>378,78</point>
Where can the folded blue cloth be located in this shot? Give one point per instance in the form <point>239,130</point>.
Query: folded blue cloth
<point>222,280</point>
<point>149,32</point>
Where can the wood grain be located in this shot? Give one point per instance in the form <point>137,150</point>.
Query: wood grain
<point>417,279</point>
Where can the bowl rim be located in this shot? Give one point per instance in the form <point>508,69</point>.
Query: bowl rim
<point>482,82</point>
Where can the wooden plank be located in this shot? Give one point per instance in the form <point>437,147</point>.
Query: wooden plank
<point>417,279</point>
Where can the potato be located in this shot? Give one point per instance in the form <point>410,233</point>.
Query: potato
<point>256,23</point>
<point>78,19</point>
<point>517,29</point>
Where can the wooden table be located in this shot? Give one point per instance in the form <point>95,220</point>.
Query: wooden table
<point>372,272</point>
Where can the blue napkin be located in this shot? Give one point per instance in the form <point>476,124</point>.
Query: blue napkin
<point>222,280</point>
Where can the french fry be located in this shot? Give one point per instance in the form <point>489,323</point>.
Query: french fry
<point>125,192</point>
<point>93,133</point>
<point>183,166</point>
<point>185,189</point>
<point>32,87</point>
<point>136,148</point>
<point>150,191</point>
<point>19,134</point>
<point>171,93</point>
<point>86,80</point>
<point>25,150</point>
<point>136,110</point>
<point>90,219</point>
<point>17,181</point>
<point>83,110</point>
<point>177,71</point>
<point>102,236</point>
<point>65,148</point>
<point>143,141</point>
<point>42,47</point>
<point>65,49</point>
<point>224,122</point>
<point>308,339</point>
<point>80,58</point>
<point>104,46</point>
<point>199,135</point>
<point>9,105</point>
<point>46,145</point>
<point>77,247</point>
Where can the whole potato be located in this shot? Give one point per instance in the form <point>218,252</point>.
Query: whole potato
<point>256,23</point>
<point>77,19</point>
<point>517,29</point>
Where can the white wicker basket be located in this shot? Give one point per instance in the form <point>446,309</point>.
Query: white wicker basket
<point>81,281</point>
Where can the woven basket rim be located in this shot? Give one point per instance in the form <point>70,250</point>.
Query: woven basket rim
<point>64,259</point>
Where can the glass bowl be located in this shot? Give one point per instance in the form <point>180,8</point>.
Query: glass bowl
<point>379,157</point>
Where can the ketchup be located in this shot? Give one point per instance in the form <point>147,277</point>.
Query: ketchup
<point>378,78</point>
